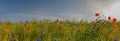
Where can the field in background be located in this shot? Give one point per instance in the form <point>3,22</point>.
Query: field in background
<point>59,31</point>
<point>99,30</point>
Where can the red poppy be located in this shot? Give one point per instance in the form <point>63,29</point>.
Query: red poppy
<point>114,20</point>
<point>83,29</point>
<point>28,27</point>
<point>61,27</point>
<point>57,20</point>
<point>111,37</point>
<point>116,27</point>
<point>96,14</point>
<point>109,18</point>
<point>6,26</point>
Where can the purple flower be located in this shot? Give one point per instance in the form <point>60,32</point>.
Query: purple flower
<point>79,30</point>
<point>12,39</point>
<point>55,39</point>
<point>38,40</point>
<point>115,39</point>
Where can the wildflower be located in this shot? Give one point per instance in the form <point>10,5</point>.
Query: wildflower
<point>12,39</point>
<point>83,29</point>
<point>55,39</point>
<point>111,36</point>
<point>116,27</point>
<point>61,27</point>
<point>79,30</point>
<point>29,27</point>
<point>57,20</point>
<point>114,20</point>
<point>38,40</point>
<point>6,26</point>
<point>25,24</point>
<point>109,18</point>
<point>96,14</point>
<point>115,39</point>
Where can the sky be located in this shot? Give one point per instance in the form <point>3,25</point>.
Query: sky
<point>17,10</point>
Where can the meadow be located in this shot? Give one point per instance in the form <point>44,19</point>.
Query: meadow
<point>100,30</point>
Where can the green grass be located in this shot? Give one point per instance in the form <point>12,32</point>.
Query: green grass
<point>47,31</point>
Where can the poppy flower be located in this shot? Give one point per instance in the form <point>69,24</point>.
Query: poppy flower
<point>111,37</point>
<point>57,20</point>
<point>6,26</point>
<point>116,27</point>
<point>114,20</point>
<point>29,27</point>
<point>62,27</point>
<point>109,18</point>
<point>96,14</point>
<point>83,29</point>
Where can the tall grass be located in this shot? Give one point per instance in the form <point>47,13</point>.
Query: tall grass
<point>59,31</point>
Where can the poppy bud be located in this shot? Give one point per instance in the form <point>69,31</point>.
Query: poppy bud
<point>96,14</point>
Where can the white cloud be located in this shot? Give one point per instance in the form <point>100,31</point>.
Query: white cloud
<point>113,10</point>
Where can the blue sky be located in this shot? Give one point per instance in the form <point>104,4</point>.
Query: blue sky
<point>16,10</point>
<point>40,9</point>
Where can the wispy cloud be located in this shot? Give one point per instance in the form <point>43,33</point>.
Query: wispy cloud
<point>69,9</point>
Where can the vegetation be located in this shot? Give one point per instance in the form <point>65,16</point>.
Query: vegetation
<point>100,30</point>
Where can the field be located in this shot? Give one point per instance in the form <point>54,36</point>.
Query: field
<point>99,30</point>
<point>59,31</point>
